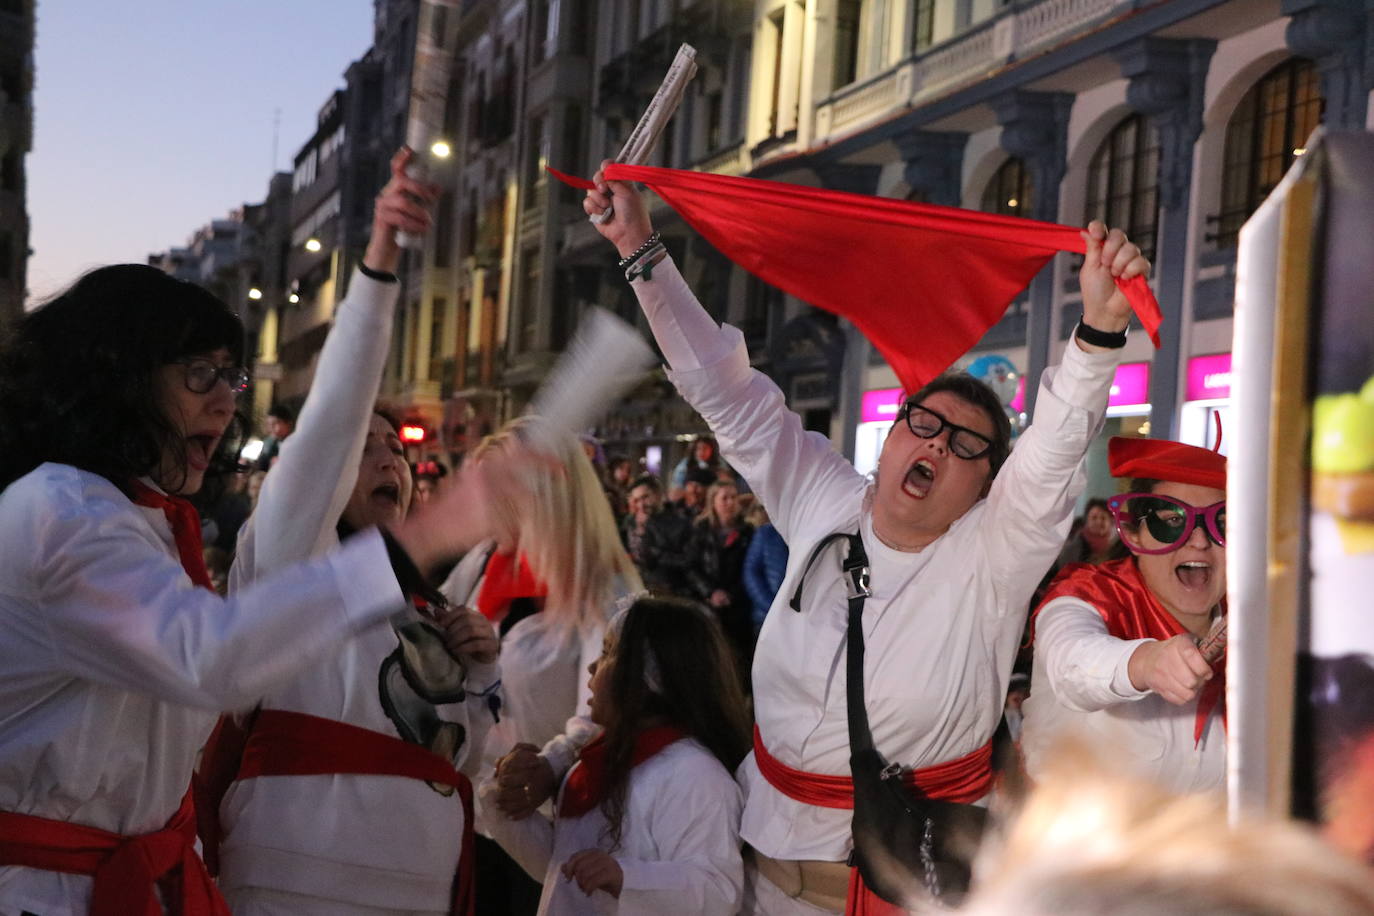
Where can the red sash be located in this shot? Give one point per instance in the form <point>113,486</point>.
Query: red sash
<point>126,869</point>
<point>586,785</point>
<point>964,779</point>
<point>296,744</point>
<point>1117,591</point>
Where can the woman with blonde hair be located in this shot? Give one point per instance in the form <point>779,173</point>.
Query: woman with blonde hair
<point>715,567</point>
<point>550,581</point>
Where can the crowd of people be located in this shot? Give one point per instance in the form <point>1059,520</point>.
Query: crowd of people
<point>539,683</point>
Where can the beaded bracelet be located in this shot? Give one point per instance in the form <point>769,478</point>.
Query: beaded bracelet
<point>643,267</point>
<point>639,252</point>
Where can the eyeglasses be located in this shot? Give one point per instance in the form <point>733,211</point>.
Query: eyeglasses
<point>1169,521</point>
<point>201,376</point>
<point>927,424</point>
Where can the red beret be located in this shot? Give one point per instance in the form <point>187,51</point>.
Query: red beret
<point>1158,459</point>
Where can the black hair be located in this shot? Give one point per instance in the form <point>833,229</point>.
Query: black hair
<point>647,480</point>
<point>282,412</point>
<point>1096,502</point>
<point>701,476</point>
<point>975,392</point>
<point>78,375</point>
<point>698,691</point>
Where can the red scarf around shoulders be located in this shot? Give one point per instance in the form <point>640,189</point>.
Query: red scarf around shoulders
<point>185,523</point>
<point>1118,592</point>
<point>586,786</point>
<point>507,577</point>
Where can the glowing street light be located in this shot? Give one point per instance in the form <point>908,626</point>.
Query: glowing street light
<point>441,149</point>
<point>312,244</point>
<point>293,298</point>
<point>254,293</point>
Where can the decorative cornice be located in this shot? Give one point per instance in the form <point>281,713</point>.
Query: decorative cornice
<point>1035,128</point>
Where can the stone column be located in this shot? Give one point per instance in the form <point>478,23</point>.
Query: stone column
<point>934,164</point>
<point>1167,78</point>
<point>1337,34</point>
<point>1035,128</point>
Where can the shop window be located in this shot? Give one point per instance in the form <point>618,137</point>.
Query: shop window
<point>1265,134</point>
<point>1123,182</point>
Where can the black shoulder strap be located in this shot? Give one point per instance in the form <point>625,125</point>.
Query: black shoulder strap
<point>856,572</point>
<point>825,542</point>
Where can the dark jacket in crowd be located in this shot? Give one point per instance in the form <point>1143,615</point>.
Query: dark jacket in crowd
<point>765,566</point>
<point>662,556</point>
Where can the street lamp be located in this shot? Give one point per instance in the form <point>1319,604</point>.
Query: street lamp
<point>254,293</point>
<point>312,244</point>
<point>293,298</point>
<point>441,149</point>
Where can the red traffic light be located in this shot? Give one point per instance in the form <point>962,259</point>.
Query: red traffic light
<point>413,434</point>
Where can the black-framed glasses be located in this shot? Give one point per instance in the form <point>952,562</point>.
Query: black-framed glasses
<point>202,374</point>
<point>927,424</point>
<point>1169,521</point>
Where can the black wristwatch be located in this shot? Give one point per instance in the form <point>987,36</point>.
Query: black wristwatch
<point>1112,340</point>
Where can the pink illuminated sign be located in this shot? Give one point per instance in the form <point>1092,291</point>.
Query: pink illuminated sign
<point>1209,377</point>
<point>1131,385</point>
<point>880,405</point>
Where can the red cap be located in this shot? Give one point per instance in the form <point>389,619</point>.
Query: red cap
<point>1158,459</point>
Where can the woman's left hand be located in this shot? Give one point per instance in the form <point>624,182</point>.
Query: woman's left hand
<point>402,206</point>
<point>595,870</point>
<point>1110,257</point>
<point>467,633</point>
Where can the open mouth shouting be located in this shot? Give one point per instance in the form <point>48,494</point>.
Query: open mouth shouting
<point>1194,575</point>
<point>200,448</point>
<point>919,479</point>
<point>387,496</point>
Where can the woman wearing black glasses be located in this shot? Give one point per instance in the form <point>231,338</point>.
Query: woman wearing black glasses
<point>1117,652</point>
<point>117,402</point>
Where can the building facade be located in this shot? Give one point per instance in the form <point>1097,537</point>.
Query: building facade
<point>16,139</point>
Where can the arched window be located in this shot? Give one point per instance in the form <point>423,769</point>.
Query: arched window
<point>1123,182</point>
<point>1265,135</point>
<point>1009,192</point>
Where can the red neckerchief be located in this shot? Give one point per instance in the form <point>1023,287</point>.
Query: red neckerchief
<point>899,270</point>
<point>586,786</point>
<point>1117,591</point>
<point>507,577</point>
<point>185,522</point>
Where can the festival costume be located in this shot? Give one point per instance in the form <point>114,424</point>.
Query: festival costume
<point>384,828</point>
<point>942,626</point>
<point>679,848</point>
<point>114,663</point>
<point>1090,623</point>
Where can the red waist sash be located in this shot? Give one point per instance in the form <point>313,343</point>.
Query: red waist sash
<point>126,869</point>
<point>296,744</point>
<point>965,779</point>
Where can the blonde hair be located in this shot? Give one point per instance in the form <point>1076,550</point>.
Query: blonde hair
<point>562,521</point>
<point>1092,842</point>
<point>707,516</point>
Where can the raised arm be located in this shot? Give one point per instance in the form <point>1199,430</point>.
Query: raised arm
<point>785,465</point>
<point>1030,504</point>
<point>305,493</point>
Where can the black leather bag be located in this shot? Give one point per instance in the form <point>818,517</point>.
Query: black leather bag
<point>908,847</point>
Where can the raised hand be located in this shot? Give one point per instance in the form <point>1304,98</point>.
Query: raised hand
<point>1174,669</point>
<point>630,225</point>
<point>403,205</point>
<point>1110,256</point>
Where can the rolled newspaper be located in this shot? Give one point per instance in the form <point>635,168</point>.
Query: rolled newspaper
<point>429,82</point>
<point>661,108</point>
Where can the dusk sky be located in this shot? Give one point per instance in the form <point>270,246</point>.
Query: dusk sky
<point>152,117</point>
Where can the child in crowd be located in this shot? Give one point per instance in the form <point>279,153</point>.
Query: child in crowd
<point>648,818</point>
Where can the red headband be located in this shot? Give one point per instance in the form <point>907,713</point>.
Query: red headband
<point>1157,459</point>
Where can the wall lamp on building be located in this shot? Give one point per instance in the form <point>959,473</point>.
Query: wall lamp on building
<point>440,149</point>
<point>312,244</point>
<point>254,293</point>
<point>293,298</point>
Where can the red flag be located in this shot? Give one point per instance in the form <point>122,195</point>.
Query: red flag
<point>924,283</point>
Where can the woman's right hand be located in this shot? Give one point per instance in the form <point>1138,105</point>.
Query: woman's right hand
<point>1174,669</point>
<point>524,782</point>
<point>630,226</point>
<point>401,206</point>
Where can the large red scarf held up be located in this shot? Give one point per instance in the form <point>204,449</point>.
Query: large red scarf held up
<point>965,779</point>
<point>1116,591</point>
<point>923,282</point>
<point>127,869</point>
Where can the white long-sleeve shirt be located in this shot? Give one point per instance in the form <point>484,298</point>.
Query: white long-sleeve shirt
<point>1080,686</point>
<point>679,851</point>
<point>375,840</point>
<point>942,626</point>
<point>113,665</point>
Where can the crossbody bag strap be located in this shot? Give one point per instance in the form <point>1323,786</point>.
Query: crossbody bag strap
<point>825,542</point>
<point>856,574</point>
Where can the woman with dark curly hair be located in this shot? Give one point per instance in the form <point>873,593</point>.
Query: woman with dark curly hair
<point>117,403</point>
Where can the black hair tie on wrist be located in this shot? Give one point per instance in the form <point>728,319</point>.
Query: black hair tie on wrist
<point>1112,340</point>
<point>381,276</point>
